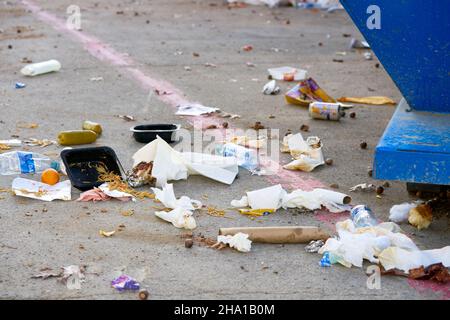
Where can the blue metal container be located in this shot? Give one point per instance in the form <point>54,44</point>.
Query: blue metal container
<point>411,38</point>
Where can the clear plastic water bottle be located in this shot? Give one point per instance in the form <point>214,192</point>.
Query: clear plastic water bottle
<point>17,162</point>
<point>246,158</point>
<point>362,216</point>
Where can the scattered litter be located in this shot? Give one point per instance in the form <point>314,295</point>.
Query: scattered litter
<point>287,74</point>
<point>126,117</point>
<point>41,68</point>
<point>325,111</point>
<point>305,92</point>
<point>187,68</point>
<point>362,216</point>
<point>73,276</point>
<point>329,5</point>
<point>125,282</point>
<point>366,187</point>
<point>247,48</point>
<point>47,273</point>
<point>41,191</point>
<point>271,88</point>
<point>10,143</point>
<point>239,241</point>
<point>435,272</point>
<point>211,65</point>
<point>355,244</point>
<point>182,214</point>
<point>127,213</point>
<point>250,64</point>
<point>20,85</point>
<point>94,194</point>
<point>249,142</point>
<point>405,260</point>
<point>314,246</point>
<point>375,100</point>
<point>307,154</point>
<point>278,235</point>
<point>93,126</point>
<point>246,158</point>
<point>194,109</point>
<point>368,55</point>
<point>421,216</point>
<point>96,79</point>
<point>256,212</point>
<point>269,3</point>
<point>50,176</point>
<point>106,234</point>
<point>275,197</point>
<point>143,294</point>
<point>169,164</point>
<point>33,142</point>
<point>76,137</point>
<point>363,145</point>
<point>17,162</point>
<point>358,44</point>
<point>229,115</point>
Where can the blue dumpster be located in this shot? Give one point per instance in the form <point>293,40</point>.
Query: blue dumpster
<point>411,38</point>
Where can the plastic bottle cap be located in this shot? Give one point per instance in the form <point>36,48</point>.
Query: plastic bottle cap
<point>55,165</point>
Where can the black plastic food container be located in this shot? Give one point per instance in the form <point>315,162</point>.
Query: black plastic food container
<point>81,165</point>
<point>147,132</point>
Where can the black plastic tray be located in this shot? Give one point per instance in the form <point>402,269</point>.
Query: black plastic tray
<point>81,165</point>
<point>146,133</point>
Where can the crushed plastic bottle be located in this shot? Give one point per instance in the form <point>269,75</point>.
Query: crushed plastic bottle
<point>246,158</point>
<point>17,162</point>
<point>35,69</point>
<point>362,216</point>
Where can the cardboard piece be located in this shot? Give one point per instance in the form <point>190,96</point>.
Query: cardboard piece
<point>298,234</point>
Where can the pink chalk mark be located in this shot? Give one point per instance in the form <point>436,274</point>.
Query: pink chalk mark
<point>330,219</point>
<point>425,286</point>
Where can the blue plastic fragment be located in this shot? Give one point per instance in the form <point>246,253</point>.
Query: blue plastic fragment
<point>20,85</point>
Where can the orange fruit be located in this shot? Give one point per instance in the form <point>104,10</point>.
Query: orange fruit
<point>50,176</point>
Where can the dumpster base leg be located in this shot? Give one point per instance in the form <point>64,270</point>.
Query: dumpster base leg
<point>415,147</point>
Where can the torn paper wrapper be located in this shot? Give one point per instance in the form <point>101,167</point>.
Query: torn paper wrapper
<point>182,214</point>
<point>168,199</point>
<point>307,154</point>
<point>169,164</point>
<point>267,198</point>
<point>122,196</point>
<point>194,109</point>
<point>179,217</point>
<point>405,260</point>
<point>41,191</point>
<point>275,197</point>
<point>239,241</point>
<point>313,200</point>
<point>103,193</point>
